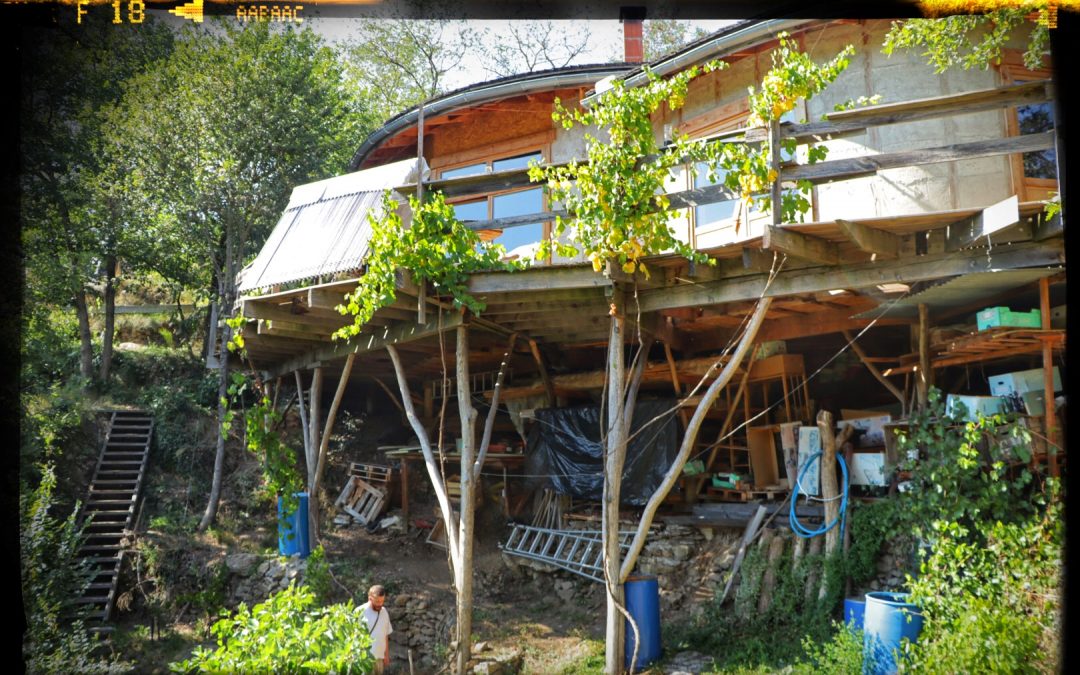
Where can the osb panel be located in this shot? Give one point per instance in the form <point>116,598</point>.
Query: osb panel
<point>487,128</point>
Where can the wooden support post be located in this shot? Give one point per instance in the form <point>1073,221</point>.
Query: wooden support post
<point>548,386</point>
<point>829,491</point>
<point>748,536</point>
<point>812,573</point>
<point>873,369</point>
<point>405,492</point>
<point>421,299</point>
<point>324,447</point>
<point>429,400</point>
<point>849,454</point>
<point>924,379</point>
<point>776,193</point>
<point>1052,441</point>
<point>768,582</point>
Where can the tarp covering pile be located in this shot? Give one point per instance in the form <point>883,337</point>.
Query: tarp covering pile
<point>565,454</point>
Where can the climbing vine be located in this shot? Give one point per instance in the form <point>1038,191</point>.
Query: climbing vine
<point>969,39</point>
<point>262,429</point>
<point>616,198</point>
<point>437,248</point>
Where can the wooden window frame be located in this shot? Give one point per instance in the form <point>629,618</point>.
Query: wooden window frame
<point>487,155</point>
<point>1012,71</point>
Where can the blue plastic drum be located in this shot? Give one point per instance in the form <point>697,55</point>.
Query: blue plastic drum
<point>889,619</point>
<point>293,528</point>
<point>854,610</point>
<point>643,603</point>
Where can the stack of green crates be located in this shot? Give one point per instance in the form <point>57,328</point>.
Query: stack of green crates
<point>994,317</point>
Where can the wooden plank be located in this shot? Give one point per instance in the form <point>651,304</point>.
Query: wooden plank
<point>1035,91</point>
<point>855,167</point>
<point>800,245</point>
<point>551,278</point>
<point>261,310</point>
<point>871,240</point>
<point>855,275</point>
<point>983,224</point>
<point>748,537</point>
<point>368,343</point>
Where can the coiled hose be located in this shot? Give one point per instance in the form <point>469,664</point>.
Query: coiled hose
<point>800,529</point>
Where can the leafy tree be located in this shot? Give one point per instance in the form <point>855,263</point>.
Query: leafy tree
<point>529,46</point>
<point>397,63</point>
<point>664,36</point>
<point>72,236</point>
<point>212,141</point>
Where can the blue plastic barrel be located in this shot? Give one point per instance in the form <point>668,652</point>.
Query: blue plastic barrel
<point>293,528</point>
<point>889,619</point>
<point>643,603</point>
<point>854,609</point>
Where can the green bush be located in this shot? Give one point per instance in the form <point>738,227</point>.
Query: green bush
<point>286,634</point>
<point>51,577</point>
<point>842,654</point>
<point>990,597</point>
<point>317,575</point>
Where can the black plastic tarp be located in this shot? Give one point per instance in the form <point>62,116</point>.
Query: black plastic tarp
<point>564,451</point>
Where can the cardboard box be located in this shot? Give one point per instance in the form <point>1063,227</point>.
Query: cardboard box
<point>1021,382</point>
<point>976,405</point>
<point>868,468</point>
<point>873,428</point>
<point>809,445</point>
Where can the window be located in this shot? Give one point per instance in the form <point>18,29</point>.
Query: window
<point>504,204</point>
<point>709,218</point>
<point>1034,173</point>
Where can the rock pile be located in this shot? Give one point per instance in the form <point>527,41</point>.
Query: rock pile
<point>254,577</point>
<point>422,625</point>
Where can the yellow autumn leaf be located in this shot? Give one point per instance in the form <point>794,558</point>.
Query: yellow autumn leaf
<point>628,267</point>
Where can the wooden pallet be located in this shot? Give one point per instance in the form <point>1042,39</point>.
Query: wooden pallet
<point>726,495</point>
<point>363,501</point>
<point>375,474</point>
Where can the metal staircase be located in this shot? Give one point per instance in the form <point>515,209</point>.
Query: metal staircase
<point>109,510</point>
<point>577,551</point>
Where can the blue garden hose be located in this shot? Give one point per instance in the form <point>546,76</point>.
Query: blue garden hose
<point>800,529</point>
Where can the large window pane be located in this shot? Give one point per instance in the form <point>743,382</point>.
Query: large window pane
<point>710,214</point>
<point>471,211</point>
<point>470,170</point>
<point>519,162</point>
<point>519,203</point>
<point>1035,119</point>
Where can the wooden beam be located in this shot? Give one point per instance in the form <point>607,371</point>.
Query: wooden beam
<point>866,361</point>
<point>855,275</point>
<point>800,245</point>
<point>855,167</point>
<point>758,260</point>
<point>267,312</point>
<point>871,240</point>
<point>293,331</point>
<point>923,380</point>
<point>1048,227</point>
<point>550,278</point>
<point>549,389</point>
<point>992,219</point>
<point>378,340</point>
<point>1053,444</point>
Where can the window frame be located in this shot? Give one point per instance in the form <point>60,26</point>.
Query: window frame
<point>723,118</point>
<point>1013,71</point>
<point>488,157</point>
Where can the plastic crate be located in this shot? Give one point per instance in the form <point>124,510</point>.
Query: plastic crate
<point>994,317</point>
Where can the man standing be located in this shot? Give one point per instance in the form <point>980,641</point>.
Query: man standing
<point>378,622</point>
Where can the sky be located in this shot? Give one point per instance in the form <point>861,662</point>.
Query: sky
<point>605,42</point>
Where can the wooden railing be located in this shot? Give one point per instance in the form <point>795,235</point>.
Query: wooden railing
<point>836,125</point>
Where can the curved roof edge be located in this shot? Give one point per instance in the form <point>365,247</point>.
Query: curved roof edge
<point>483,92</point>
<point>729,38</point>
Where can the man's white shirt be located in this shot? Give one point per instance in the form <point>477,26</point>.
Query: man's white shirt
<point>378,624</point>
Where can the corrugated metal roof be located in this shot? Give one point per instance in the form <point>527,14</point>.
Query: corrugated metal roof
<point>960,291</point>
<point>324,229</point>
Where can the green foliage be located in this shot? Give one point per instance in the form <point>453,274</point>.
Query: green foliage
<point>991,596</point>
<point>51,576</point>
<point>964,472</point>
<point>286,634</point>
<point>435,248</point>
<point>972,40</point>
<point>872,525</point>
<point>617,197</point>
<point>843,653</point>
<point>317,575</point>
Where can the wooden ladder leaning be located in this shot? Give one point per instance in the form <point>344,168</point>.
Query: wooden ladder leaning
<point>109,510</point>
